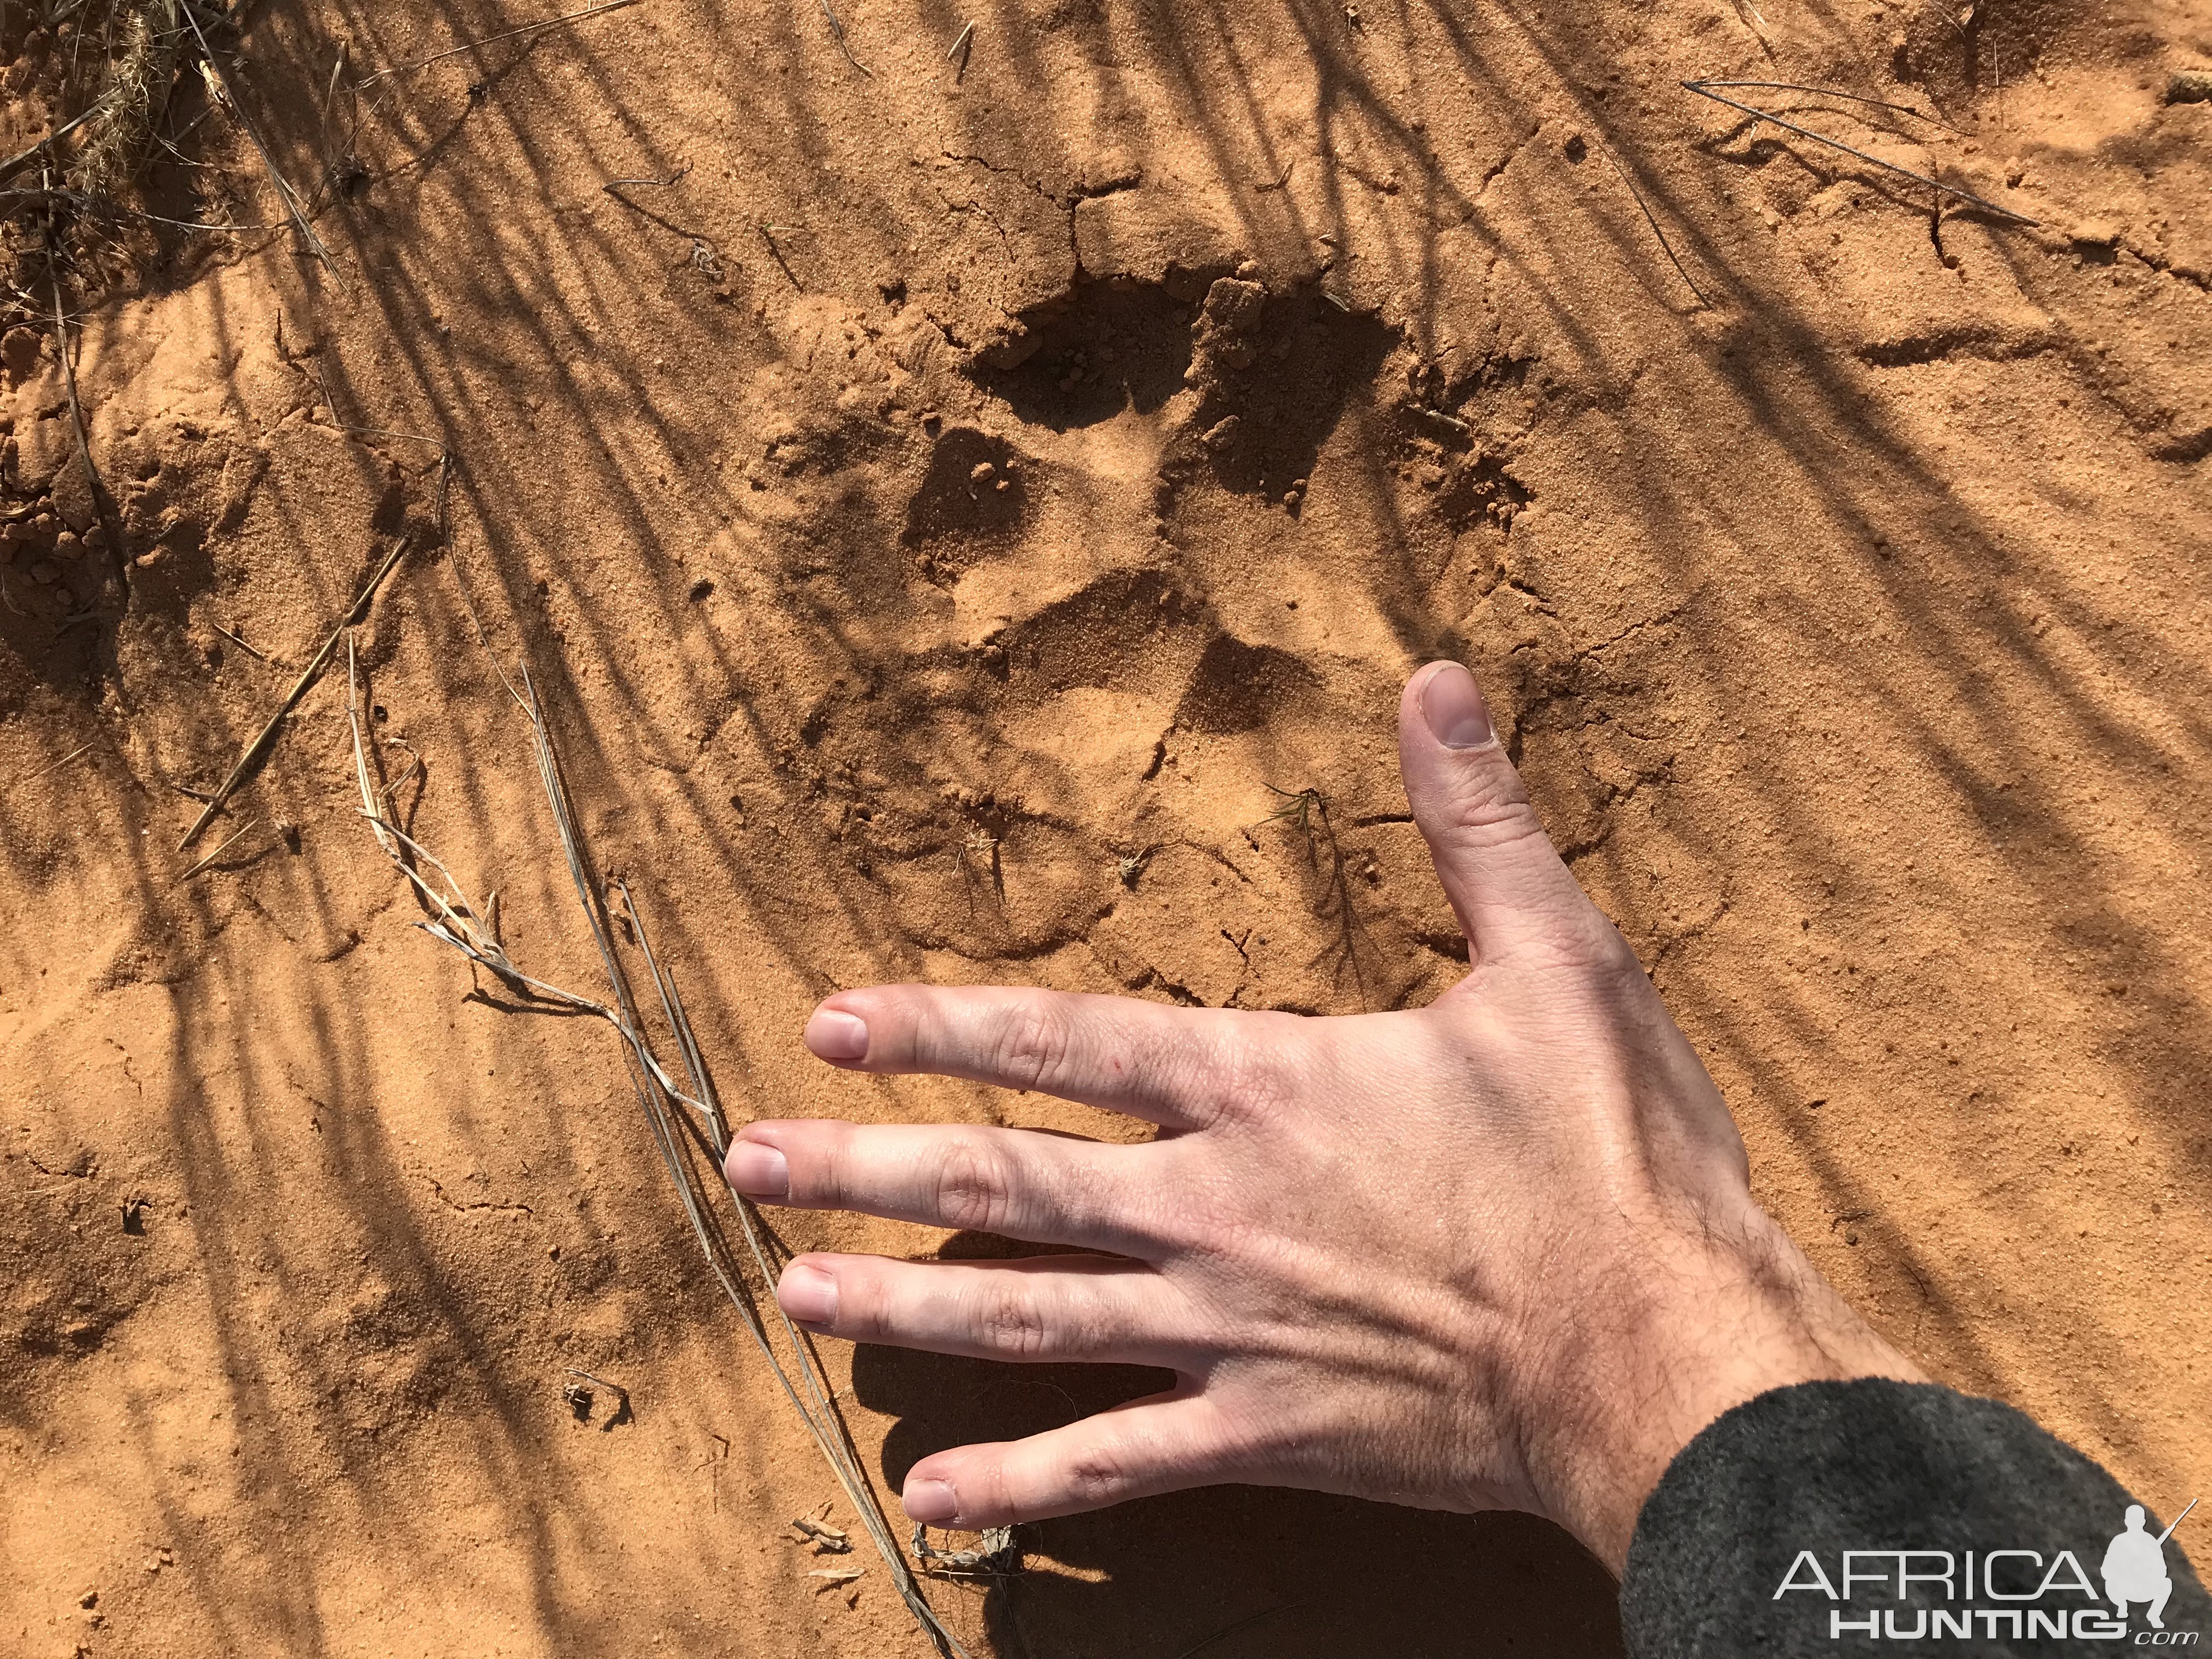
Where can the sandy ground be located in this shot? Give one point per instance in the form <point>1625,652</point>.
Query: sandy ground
<point>936,521</point>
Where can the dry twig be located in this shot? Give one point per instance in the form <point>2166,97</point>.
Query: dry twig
<point>837,29</point>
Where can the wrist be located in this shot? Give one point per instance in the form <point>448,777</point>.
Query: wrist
<point>1729,1310</point>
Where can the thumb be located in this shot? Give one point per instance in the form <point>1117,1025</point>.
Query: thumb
<point>1508,887</point>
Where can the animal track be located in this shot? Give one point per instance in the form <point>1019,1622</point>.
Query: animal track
<point>1481,488</point>
<point>1101,350</point>
<point>1273,373</point>
<point>976,490</point>
<point>1236,686</point>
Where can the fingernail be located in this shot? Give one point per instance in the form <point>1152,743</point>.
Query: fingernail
<point>832,1034</point>
<point>929,1502</point>
<point>757,1171</point>
<point>1452,705</point>
<point>808,1294</point>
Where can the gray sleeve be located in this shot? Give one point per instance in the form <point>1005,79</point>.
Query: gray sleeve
<point>1835,1518</point>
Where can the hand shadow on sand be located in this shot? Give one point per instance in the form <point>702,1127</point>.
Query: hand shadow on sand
<point>1288,1575</point>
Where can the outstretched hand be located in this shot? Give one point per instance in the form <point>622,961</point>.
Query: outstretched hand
<point>1499,1252</point>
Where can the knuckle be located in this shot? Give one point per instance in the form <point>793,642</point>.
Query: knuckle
<point>972,1189</point>
<point>1099,1474</point>
<point>1586,940</point>
<point>1610,952</point>
<point>1209,1221</point>
<point>1495,815</point>
<point>1032,1045</point>
<point>1242,1077</point>
<point>1009,1325</point>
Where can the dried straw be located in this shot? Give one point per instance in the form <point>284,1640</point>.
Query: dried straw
<point>1704,89</point>
<point>285,193</point>
<point>677,1136</point>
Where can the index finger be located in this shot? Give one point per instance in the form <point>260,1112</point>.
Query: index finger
<point>1173,1066</point>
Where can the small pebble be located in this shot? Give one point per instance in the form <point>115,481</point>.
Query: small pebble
<point>42,572</point>
<point>67,546</point>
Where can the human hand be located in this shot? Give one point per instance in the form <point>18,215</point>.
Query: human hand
<point>1499,1252</point>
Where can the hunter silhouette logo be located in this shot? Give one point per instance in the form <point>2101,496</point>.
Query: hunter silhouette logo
<point>2135,1566</point>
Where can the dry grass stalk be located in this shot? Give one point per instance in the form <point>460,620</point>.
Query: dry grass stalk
<point>1230,1629</point>
<point>826,1539</point>
<point>109,523</point>
<point>228,842</point>
<point>492,39</point>
<point>106,209</point>
<point>980,848</point>
<point>1648,219</point>
<point>53,766</point>
<point>285,193</point>
<point>1704,89</point>
<point>678,1135</point>
<point>1846,97</point>
<point>23,158</point>
<point>238,640</point>
<point>1755,20</point>
<point>623,1411</point>
<point>268,735</point>
<point>821,1421</point>
<point>999,1556</point>
<point>837,29</point>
